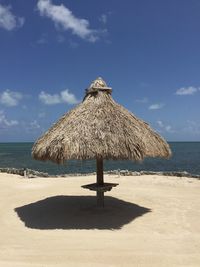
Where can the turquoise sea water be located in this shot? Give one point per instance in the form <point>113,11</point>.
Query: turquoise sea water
<point>186,157</point>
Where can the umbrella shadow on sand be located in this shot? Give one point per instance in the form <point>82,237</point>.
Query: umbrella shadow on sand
<point>79,212</point>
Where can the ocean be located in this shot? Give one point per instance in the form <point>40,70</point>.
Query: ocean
<point>186,157</point>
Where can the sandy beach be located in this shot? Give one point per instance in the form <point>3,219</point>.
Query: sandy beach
<point>147,221</point>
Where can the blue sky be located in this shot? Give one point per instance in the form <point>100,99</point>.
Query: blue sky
<point>147,51</point>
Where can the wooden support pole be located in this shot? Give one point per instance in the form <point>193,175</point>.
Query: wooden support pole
<point>100,194</point>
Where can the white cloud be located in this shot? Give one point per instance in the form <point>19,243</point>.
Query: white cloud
<point>63,97</point>
<point>160,124</point>
<point>42,115</point>
<point>8,20</point>
<point>73,44</point>
<point>156,106</point>
<point>68,97</point>
<point>142,100</point>
<point>63,17</point>
<point>103,18</point>
<point>10,98</point>
<point>24,107</point>
<point>31,127</point>
<point>34,125</point>
<point>43,39</point>
<point>168,128</point>
<point>163,127</point>
<point>187,90</point>
<point>49,99</point>
<point>4,122</point>
<point>192,127</point>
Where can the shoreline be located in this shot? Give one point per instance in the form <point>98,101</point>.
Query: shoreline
<point>29,173</point>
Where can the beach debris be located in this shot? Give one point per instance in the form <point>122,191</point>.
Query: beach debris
<point>99,128</point>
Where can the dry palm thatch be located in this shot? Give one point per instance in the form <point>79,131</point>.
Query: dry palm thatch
<point>99,128</point>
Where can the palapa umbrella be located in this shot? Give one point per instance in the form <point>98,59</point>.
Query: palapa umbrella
<point>99,128</point>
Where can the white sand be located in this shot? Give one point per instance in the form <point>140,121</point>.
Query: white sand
<point>147,221</point>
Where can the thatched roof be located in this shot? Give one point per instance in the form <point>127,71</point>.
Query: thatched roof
<point>99,127</point>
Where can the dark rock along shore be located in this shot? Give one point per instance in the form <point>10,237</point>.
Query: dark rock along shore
<point>34,174</point>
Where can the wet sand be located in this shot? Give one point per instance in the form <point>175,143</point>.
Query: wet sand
<point>147,221</point>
